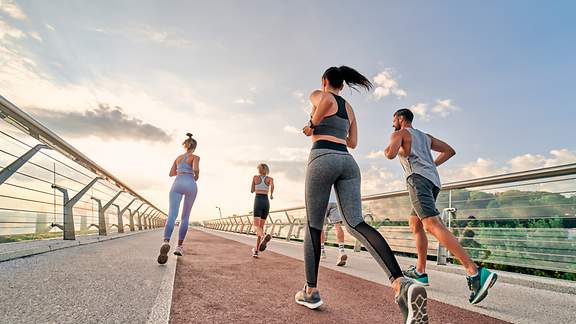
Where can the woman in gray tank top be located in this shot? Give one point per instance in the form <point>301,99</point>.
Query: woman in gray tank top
<point>333,129</point>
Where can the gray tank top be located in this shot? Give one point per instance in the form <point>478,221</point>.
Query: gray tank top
<point>420,160</point>
<point>336,125</point>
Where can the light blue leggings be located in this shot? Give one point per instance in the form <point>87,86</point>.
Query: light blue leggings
<point>184,185</point>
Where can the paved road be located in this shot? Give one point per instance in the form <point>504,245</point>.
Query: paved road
<point>115,281</point>
<point>509,302</point>
<point>219,282</point>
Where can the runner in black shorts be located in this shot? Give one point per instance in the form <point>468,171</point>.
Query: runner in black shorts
<point>261,185</point>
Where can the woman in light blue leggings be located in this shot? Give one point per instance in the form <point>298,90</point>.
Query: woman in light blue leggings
<point>186,168</point>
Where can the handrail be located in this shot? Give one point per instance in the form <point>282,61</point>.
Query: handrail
<point>555,171</point>
<point>15,116</point>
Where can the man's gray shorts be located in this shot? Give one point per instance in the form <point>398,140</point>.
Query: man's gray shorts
<point>423,194</point>
<point>333,214</point>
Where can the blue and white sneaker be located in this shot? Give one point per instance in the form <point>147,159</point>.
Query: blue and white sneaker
<point>421,278</point>
<point>311,301</point>
<point>480,283</point>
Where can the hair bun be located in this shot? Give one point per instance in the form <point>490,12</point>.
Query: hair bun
<point>189,135</point>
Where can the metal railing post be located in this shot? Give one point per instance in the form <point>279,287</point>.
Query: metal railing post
<point>68,217</point>
<point>130,216</point>
<point>140,225</point>
<point>102,230</point>
<point>442,253</point>
<point>9,170</point>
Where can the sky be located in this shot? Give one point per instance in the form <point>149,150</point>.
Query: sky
<point>124,81</point>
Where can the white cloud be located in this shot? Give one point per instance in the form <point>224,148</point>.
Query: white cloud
<point>376,154</point>
<point>292,129</point>
<point>12,9</point>
<point>36,36</point>
<point>244,101</point>
<point>301,97</point>
<point>379,179</point>
<point>145,33</point>
<point>49,27</point>
<point>7,30</point>
<point>486,167</point>
<point>442,109</point>
<point>386,85</point>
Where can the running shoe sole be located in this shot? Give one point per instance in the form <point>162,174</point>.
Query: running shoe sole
<point>163,257</point>
<point>264,242</point>
<point>490,281</point>
<point>309,305</point>
<point>418,307</point>
<point>342,260</point>
<point>177,253</point>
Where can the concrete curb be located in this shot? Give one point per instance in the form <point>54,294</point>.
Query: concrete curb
<point>35,247</point>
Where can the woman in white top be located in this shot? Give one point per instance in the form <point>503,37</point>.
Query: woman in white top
<point>261,185</point>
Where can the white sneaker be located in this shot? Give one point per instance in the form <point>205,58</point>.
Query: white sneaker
<point>179,250</point>
<point>323,254</point>
<point>254,253</point>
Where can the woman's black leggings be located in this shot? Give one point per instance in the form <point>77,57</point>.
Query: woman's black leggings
<point>331,167</point>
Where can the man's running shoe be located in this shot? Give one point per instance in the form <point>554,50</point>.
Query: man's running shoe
<point>480,283</point>
<point>342,259</point>
<point>254,253</point>
<point>311,301</point>
<point>179,250</point>
<point>164,249</point>
<point>421,278</point>
<point>264,242</point>
<point>413,302</point>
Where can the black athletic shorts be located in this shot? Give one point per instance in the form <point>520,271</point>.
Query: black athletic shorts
<point>261,206</point>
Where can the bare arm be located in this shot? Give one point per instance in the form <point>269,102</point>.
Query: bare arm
<point>321,107</point>
<point>395,144</point>
<point>271,188</point>
<point>352,139</point>
<point>446,151</point>
<point>253,187</point>
<point>172,172</point>
<point>196,167</point>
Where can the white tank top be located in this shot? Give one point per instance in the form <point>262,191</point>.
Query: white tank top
<point>262,185</point>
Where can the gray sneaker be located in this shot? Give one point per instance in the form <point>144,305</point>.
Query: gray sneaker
<point>311,301</point>
<point>413,301</point>
<point>179,250</point>
<point>164,249</point>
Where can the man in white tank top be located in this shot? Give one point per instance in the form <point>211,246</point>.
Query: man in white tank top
<point>414,150</point>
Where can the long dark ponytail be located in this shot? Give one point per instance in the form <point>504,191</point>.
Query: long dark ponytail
<point>336,77</point>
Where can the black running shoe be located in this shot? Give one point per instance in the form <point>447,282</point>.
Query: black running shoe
<point>164,249</point>
<point>413,301</point>
<point>264,242</point>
